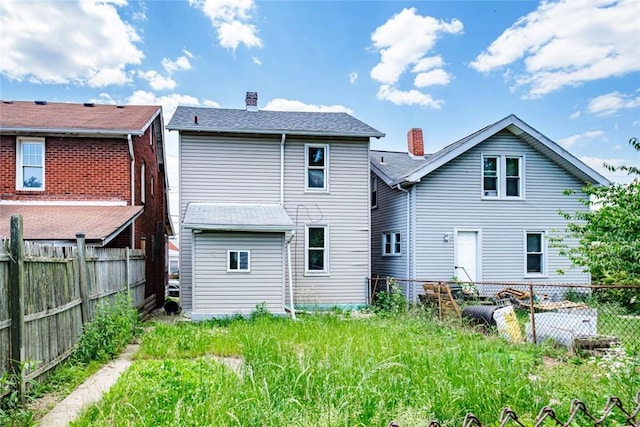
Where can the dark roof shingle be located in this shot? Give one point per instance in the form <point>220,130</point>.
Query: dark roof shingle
<point>269,122</point>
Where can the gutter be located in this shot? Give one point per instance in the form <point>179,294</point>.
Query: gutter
<point>408,230</point>
<point>64,131</point>
<point>133,187</point>
<point>277,132</point>
<point>284,137</point>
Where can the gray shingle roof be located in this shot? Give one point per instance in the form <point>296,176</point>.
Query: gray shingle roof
<point>270,122</point>
<point>396,165</point>
<point>237,217</point>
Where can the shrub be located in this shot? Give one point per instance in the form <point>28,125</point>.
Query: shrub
<point>113,327</point>
<point>392,301</point>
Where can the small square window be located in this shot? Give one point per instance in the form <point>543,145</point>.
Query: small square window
<point>391,244</point>
<point>238,261</point>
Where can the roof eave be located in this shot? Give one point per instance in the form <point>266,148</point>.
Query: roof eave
<point>244,228</point>
<point>73,131</point>
<point>275,131</point>
<point>380,174</point>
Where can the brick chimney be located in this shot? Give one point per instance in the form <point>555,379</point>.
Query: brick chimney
<point>415,143</point>
<point>252,101</point>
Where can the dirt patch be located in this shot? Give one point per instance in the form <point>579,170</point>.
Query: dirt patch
<point>550,362</point>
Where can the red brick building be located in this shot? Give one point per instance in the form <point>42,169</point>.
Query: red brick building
<point>87,168</point>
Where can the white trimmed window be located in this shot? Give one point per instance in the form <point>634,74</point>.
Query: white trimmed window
<point>391,244</point>
<point>374,192</point>
<point>316,249</point>
<point>30,164</point>
<point>502,177</point>
<point>238,261</point>
<point>316,167</point>
<point>535,254</point>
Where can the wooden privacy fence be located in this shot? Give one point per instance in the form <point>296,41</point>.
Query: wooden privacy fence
<point>48,292</point>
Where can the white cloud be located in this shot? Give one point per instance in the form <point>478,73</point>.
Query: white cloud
<point>407,97</point>
<point>404,42</point>
<point>433,77</point>
<point>575,115</point>
<point>230,19</point>
<point>280,104</point>
<point>210,103</point>
<point>141,15</point>
<point>169,102</point>
<point>597,163</point>
<point>353,76</point>
<point>38,46</point>
<point>428,63</point>
<point>104,98</point>
<point>181,63</point>
<point>157,81</point>
<point>567,43</point>
<point>612,102</point>
<point>635,123</point>
<point>256,60</point>
<point>584,136</point>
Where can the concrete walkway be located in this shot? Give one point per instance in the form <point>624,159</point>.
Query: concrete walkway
<point>90,391</point>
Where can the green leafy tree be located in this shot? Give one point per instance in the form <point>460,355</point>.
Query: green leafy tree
<point>609,234</point>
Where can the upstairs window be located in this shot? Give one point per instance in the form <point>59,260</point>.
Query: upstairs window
<point>238,261</point>
<point>143,184</point>
<point>374,192</point>
<point>502,176</point>
<point>391,244</point>
<point>30,164</point>
<point>316,249</point>
<point>535,254</point>
<point>316,167</point>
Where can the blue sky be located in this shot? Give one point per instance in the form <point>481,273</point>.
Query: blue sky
<point>571,69</point>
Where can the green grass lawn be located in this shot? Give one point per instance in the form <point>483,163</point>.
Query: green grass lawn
<point>328,370</point>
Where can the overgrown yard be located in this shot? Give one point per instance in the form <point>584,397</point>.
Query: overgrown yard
<point>333,370</point>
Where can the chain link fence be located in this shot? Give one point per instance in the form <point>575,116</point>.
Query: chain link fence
<point>575,316</point>
<point>613,412</point>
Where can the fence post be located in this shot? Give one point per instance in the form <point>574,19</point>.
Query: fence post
<point>16,290</point>
<point>532,314</point>
<point>82,265</point>
<point>129,273</point>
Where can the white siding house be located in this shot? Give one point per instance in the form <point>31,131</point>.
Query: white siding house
<point>481,209</point>
<point>255,184</point>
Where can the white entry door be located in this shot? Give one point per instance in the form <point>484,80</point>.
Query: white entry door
<point>466,268</point>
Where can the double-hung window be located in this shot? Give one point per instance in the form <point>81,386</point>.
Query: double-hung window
<point>238,261</point>
<point>317,249</point>
<point>502,176</point>
<point>391,244</point>
<point>535,254</point>
<point>316,167</point>
<point>30,164</point>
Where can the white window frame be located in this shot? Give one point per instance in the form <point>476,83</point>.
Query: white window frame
<point>543,254</point>
<point>238,269</point>
<point>308,271</point>
<point>374,191</point>
<point>324,168</point>
<point>395,243</point>
<point>501,185</point>
<point>19,165</point>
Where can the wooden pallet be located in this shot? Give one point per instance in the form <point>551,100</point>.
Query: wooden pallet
<point>440,294</point>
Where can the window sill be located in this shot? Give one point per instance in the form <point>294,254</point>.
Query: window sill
<point>392,255</point>
<point>30,191</point>
<point>536,276</point>
<point>316,274</point>
<point>314,191</point>
<point>503,198</point>
<point>239,272</point>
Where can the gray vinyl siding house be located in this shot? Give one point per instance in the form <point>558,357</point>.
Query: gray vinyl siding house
<point>481,209</point>
<point>255,184</point>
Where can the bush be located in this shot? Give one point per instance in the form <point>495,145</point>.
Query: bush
<point>392,301</point>
<point>113,327</point>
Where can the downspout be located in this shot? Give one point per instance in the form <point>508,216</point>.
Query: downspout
<point>292,308</point>
<point>408,274</point>
<point>133,188</point>
<point>284,136</point>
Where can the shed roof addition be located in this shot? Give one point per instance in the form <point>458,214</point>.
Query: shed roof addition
<point>269,122</point>
<point>237,217</point>
<point>99,224</point>
<point>88,118</point>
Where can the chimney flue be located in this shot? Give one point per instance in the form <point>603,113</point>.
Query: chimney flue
<point>415,143</point>
<point>251,101</point>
